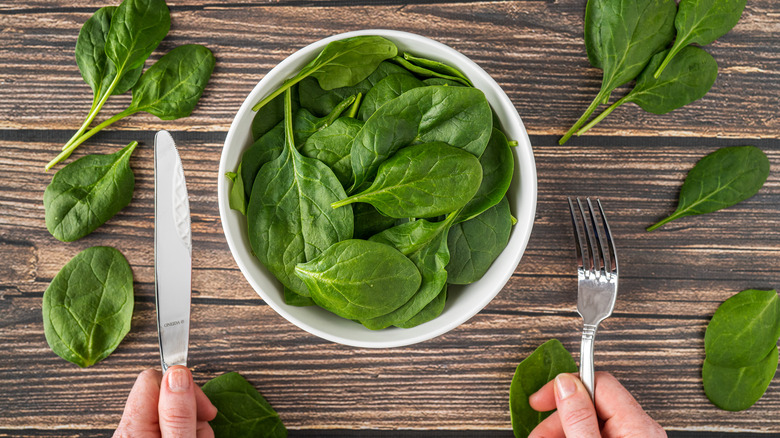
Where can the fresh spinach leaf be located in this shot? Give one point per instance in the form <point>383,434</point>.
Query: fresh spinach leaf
<point>594,11</point>
<point>425,72</point>
<point>425,244</point>
<point>440,81</point>
<point>546,362</point>
<point>112,50</point>
<point>321,102</point>
<point>429,312</point>
<point>476,243</point>
<point>702,22</point>
<point>736,389</point>
<point>358,279</point>
<point>87,192</point>
<point>169,89</point>
<point>424,180</point>
<point>305,124</point>
<point>369,221</point>
<point>721,179</point>
<point>265,149</point>
<point>458,116</point>
<point>497,167</point>
<point>744,329</point>
<point>289,216</point>
<point>293,298</point>
<point>88,306</point>
<point>332,146</point>
<point>237,196</point>
<point>385,90</point>
<point>688,78</point>
<point>341,63</point>
<point>241,410</point>
<point>439,67</point>
<point>630,32</point>
<point>272,114</point>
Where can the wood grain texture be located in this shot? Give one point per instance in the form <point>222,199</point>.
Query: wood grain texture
<point>533,49</point>
<point>672,280</point>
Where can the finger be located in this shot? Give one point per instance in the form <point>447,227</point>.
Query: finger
<point>206,410</point>
<point>549,428</point>
<point>140,414</point>
<point>575,408</point>
<point>204,430</point>
<point>177,408</point>
<point>625,417</point>
<point>543,400</point>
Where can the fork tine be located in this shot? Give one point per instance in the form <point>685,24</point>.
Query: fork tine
<point>579,249</point>
<point>612,252</point>
<point>592,256</point>
<point>603,263</point>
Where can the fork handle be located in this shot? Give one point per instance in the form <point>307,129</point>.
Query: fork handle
<point>586,358</point>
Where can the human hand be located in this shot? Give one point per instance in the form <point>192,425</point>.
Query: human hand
<point>166,406</point>
<point>619,414</point>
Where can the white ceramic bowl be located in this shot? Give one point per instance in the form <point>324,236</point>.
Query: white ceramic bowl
<point>463,301</point>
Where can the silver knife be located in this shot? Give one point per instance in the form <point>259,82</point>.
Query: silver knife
<point>172,252</point>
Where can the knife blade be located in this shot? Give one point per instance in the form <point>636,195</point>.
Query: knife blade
<point>172,252</point>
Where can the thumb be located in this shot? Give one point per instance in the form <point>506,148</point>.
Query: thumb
<point>575,408</point>
<point>177,408</point>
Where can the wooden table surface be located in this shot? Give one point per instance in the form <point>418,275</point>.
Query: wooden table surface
<point>672,280</point>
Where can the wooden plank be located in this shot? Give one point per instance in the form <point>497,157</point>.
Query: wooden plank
<point>533,49</point>
<point>672,281</point>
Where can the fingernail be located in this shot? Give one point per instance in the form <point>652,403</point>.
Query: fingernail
<point>565,386</point>
<point>179,380</point>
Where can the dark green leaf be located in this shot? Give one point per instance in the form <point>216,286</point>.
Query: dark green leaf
<point>424,180</point>
<point>441,68</point>
<point>476,243</point>
<point>137,27</point>
<point>289,216</point>
<point>424,72</point>
<point>497,167</point>
<point>305,124</point>
<point>293,298</point>
<point>88,306</point>
<point>341,63</point>
<point>385,90</point>
<point>429,312</point>
<point>358,279</point>
<point>172,86</point>
<point>736,389</point>
<point>593,19</point>
<point>702,22</point>
<point>719,180</point>
<point>368,221</point>
<point>458,116</point>
<point>440,81</point>
<point>241,410</point>
<point>87,192</point>
<point>237,195</point>
<point>546,362</point>
<point>744,329</point>
<point>332,146</point>
<point>272,114</point>
<point>321,102</point>
<point>265,149</point>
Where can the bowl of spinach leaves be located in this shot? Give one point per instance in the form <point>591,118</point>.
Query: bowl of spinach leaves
<point>377,188</point>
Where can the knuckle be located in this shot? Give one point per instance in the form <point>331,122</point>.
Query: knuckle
<point>578,417</point>
<point>175,418</point>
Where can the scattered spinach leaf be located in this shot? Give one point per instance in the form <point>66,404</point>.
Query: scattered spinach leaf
<point>688,78</point>
<point>546,362</point>
<point>736,389</point>
<point>744,329</point>
<point>87,192</point>
<point>169,89</point>
<point>358,279</point>
<point>341,63</point>
<point>241,409</point>
<point>476,243</point>
<point>629,34</point>
<point>385,90</point>
<point>702,22</point>
<point>88,306</point>
<point>424,180</point>
<point>289,216</point>
<point>458,116</point>
<point>721,179</point>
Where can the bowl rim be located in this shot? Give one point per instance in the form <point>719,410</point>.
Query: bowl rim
<point>524,166</point>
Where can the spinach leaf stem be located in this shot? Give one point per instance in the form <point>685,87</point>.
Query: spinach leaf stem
<point>585,116</point>
<point>69,150</point>
<point>604,114</point>
<point>96,107</point>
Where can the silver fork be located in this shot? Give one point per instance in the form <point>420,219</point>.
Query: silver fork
<point>597,276</point>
